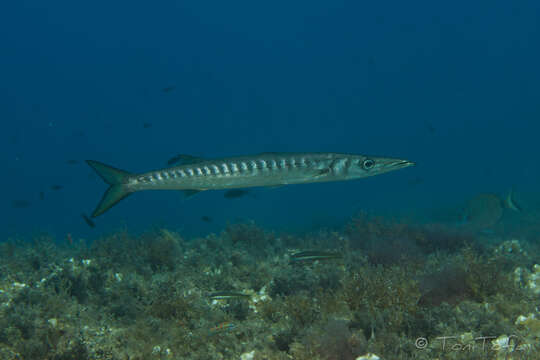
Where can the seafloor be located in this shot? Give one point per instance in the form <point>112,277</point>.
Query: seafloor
<point>400,291</point>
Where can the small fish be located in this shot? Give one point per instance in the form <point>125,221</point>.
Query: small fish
<point>20,204</point>
<point>430,128</point>
<point>266,170</point>
<point>206,218</point>
<point>168,89</point>
<point>57,187</point>
<point>41,195</point>
<point>88,221</point>
<point>235,193</point>
<point>72,162</point>
<point>226,326</point>
<point>314,255</point>
<point>483,211</point>
<point>225,295</point>
<point>147,125</point>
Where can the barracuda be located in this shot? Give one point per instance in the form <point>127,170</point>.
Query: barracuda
<point>267,169</point>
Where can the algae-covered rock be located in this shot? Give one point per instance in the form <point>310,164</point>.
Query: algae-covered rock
<point>510,347</point>
<point>531,323</point>
<point>368,356</point>
<point>529,280</point>
<point>248,355</point>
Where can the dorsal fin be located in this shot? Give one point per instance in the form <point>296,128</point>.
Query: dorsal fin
<point>269,153</point>
<point>184,159</point>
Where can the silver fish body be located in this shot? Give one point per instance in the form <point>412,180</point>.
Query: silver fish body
<point>267,169</point>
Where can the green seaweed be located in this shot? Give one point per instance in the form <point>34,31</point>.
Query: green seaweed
<point>146,296</point>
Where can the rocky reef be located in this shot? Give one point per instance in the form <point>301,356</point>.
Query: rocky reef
<point>398,291</point>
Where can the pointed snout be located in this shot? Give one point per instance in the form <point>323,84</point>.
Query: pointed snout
<point>396,163</point>
<point>390,164</point>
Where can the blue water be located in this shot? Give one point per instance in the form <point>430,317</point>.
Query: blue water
<point>452,86</point>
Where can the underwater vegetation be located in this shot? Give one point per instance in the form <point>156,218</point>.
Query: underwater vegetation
<point>379,289</point>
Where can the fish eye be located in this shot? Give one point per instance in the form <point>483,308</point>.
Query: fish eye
<point>368,164</point>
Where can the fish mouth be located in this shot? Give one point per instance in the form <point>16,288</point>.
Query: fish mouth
<point>401,164</point>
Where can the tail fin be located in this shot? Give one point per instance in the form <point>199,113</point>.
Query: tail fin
<point>510,203</point>
<point>117,190</point>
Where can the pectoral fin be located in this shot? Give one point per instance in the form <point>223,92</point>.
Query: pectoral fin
<point>321,172</point>
<point>190,193</point>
